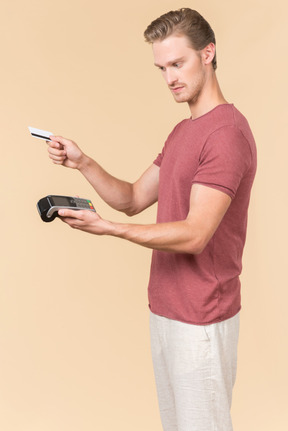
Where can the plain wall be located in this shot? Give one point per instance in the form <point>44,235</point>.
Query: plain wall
<point>74,340</point>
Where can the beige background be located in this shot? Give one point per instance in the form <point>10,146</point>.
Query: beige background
<point>74,341</point>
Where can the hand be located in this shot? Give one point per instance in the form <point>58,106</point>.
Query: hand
<point>85,220</point>
<point>65,152</point>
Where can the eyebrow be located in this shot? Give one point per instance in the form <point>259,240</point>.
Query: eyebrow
<point>177,60</point>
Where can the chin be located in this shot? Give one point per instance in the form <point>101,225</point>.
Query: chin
<point>181,98</point>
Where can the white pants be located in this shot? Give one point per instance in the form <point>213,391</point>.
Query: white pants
<point>195,370</point>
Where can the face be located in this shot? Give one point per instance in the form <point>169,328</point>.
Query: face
<point>182,67</point>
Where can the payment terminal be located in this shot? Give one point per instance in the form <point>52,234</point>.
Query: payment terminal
<point>48,207</point>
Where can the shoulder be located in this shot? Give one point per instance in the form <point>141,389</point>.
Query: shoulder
<point>233,132</point>
<point>180,129</point>
<point>182,125</point>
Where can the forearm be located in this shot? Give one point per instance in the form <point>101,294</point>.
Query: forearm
<point>191,235</point>
<point>120,195</point>
<point>116,193</point>
<point>175,237</point>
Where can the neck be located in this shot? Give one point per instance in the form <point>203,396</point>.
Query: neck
<point>209,97</point>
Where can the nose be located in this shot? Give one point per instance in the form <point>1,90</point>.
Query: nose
<point>170,77</point>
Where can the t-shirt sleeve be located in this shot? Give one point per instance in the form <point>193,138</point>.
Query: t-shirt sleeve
<point>160,156</point>
<point>224,160</point>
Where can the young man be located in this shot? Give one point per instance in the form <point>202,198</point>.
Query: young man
<point>202,182</point>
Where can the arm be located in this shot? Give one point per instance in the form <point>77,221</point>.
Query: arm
<point>120,195</point>
<point>207,208</point>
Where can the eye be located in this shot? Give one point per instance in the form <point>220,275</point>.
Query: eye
<point>161,68</point>
<point>177,65</point>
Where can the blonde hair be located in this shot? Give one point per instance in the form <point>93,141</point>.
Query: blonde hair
<point>186,22</point>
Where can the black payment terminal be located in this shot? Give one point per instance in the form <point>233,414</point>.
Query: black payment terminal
<point>48,207</point>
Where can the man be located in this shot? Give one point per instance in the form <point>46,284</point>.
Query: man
<point>202,181</point>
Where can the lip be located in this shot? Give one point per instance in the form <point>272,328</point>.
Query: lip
<point>176,89</point>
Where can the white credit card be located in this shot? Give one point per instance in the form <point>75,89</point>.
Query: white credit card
<point>40,134</point>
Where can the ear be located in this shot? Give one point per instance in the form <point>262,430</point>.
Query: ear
<point>208,53</point>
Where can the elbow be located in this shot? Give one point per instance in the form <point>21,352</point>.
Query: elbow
<point>197,245</point>
<point>197,238</point>
<point>130,211</point>
<point>130,207</point>
<point>198,250</point>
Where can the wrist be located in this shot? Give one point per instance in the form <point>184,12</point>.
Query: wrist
<point>116,229</point>
<point>83,163</point>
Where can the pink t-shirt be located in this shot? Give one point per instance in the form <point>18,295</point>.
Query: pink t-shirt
<point>216,150</point>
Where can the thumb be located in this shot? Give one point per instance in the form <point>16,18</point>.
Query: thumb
<point>60,140</point>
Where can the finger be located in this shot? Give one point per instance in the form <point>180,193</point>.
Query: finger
<point>70,214</point>
<point>72,222</point>
<point>54,144</point>
<point>58,160</point>
<point>56,152</point>
<point>57,157</point>
<point>60,140</point>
